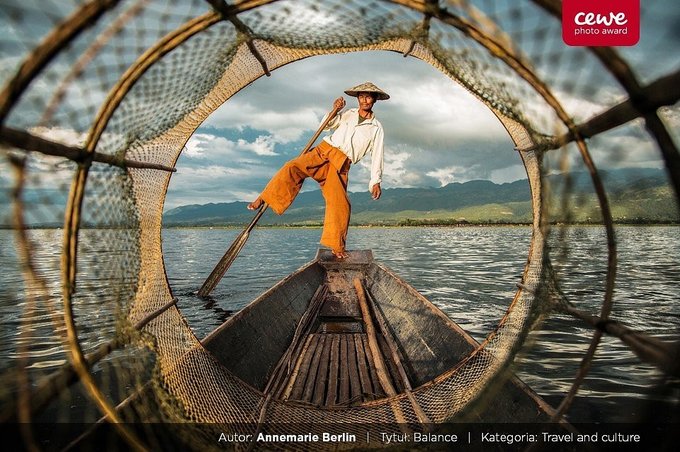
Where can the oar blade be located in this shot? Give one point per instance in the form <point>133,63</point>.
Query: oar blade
<point>223,265</point>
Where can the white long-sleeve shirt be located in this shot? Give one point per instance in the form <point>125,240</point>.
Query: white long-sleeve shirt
<point>356,140</point>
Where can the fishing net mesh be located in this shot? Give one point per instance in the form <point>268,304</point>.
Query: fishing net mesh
<point>135,84</point>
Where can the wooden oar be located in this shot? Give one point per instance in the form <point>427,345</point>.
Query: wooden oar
<point>235,248</point>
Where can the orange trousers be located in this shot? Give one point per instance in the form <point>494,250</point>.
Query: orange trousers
<point>328,166</point>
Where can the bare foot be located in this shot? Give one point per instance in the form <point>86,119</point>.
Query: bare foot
<point>255,204</point>
<point>342,254</point>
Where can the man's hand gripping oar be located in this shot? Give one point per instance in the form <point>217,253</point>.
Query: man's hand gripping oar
<point>235,248</point>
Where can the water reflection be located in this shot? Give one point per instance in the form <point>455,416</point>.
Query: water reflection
<point>470,273</point>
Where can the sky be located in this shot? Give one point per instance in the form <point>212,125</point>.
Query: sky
<point>435,131</point>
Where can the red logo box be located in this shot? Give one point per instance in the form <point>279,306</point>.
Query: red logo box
<point>601,22</point>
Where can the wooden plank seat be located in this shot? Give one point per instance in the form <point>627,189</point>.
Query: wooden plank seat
<point>310,340</point>
<point>335,369</point>
<point>330,361</point>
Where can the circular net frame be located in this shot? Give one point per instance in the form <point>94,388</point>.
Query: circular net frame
<point>125,84</point>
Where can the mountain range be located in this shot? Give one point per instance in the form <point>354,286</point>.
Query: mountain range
<point>635,196</point>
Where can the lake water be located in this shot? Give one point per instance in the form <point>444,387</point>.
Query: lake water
<point>470,273</point>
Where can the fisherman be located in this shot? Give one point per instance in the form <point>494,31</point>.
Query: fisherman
<point>356,132</point>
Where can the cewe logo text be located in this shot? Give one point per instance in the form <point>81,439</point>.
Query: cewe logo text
<point>601,22</point>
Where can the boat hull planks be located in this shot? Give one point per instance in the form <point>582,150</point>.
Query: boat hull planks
<point>318,350</point>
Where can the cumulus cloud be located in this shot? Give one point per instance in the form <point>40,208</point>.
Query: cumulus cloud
<point>438,111</point>
<point>215,183</point>
<point>396,169</point>
<point>430,123</point>
<point>198,144</point>
<point>671,116</point>
<point>435,131</point>
<point>447,175</point>
<point>56,173</point>
<point>263,145</point>
<point>205,145</point>
<point>283,126</point>
<point>68,137</point>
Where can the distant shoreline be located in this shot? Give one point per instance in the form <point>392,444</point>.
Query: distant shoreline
<point>424,224</point>
<point>407,226</point>
<point>368,226</point>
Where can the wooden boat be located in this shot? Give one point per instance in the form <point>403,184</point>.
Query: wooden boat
<point>337,346</point>
<point>345,333</point>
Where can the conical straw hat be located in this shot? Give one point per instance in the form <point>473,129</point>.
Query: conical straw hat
<point>367,87</point>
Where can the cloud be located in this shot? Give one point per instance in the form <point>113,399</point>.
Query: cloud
<point>435,131</point>
<point>430,121</point>
<point>215,168</point>
<point>283,126</point>
<point>214,183</point>
<point>627,146</point>
<point>436,111</point>
<point>582,109</point>
<point>396,168</point>
<point>197,144</point>
<point>671,117</point>
<point>263,145</point>
<point>55,173</point>
<point>446,175</point>
<point>508,174</point>
<point>655,54</point>
<point>68,137</point>
<point>205,145</point>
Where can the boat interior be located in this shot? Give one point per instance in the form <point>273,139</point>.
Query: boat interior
<point>342,352</point>
<point>340,333</point>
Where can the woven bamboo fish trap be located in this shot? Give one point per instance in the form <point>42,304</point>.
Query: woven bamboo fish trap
<point>130,81</point>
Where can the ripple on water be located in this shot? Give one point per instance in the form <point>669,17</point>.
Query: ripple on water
<point>470,273</point>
